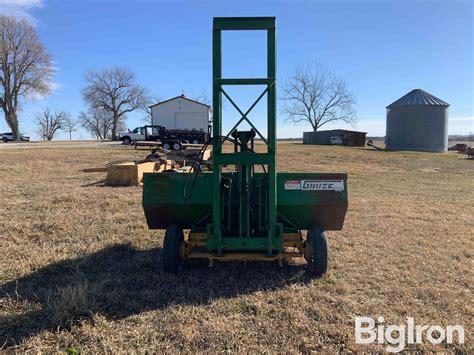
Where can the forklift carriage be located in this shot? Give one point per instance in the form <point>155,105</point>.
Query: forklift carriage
<point>245,215</point>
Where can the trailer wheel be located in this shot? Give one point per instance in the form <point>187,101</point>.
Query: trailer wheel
<point>174,238</point>
<point>317,255</point>
<point>177,146</point>
<point>166,146</point>
<point>152,157</point>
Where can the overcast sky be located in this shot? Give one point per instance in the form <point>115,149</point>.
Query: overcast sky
<point>383,49</point>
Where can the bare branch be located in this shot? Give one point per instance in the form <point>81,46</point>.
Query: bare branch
<point>49,123</point>
<point>312,95</point>
<point>25,67</point>
<point>97,121</point>
<point>203,97</point>
<point>114,90</point>
<point>70,125</point>
<point>147,109</point>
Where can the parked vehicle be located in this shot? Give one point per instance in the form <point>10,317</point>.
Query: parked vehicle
<point>137,134</point>
<point>335,140</point>
<point>169,138</point>
<point>5,137</point>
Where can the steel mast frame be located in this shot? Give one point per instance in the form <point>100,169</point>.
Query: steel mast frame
<point>215,240</point>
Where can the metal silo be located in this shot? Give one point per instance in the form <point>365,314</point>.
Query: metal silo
<point>417,121</point>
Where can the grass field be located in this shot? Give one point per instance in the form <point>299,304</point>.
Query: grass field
<point>80,270</point>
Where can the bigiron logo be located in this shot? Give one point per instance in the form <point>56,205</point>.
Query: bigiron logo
<point>397,336</point>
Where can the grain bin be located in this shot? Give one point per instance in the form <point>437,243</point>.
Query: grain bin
<point>417,121</point>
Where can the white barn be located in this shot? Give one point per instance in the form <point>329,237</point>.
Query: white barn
<point>181,113</point>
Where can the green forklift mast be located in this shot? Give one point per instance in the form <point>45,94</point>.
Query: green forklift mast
<point>244,214</point>
<point>268,235</point>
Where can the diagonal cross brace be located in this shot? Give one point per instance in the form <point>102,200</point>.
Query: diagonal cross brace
<point>244,115</point>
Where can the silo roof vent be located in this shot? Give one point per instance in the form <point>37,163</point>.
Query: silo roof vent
<point>420,98</point>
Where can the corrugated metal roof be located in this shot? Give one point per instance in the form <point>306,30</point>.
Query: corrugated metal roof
<point>418,97</point>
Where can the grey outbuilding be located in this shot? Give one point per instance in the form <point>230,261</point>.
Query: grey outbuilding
<point>417,121</point>
<point>335,136</point>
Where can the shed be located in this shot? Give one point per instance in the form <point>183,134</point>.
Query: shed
<point>181,113</point>
<point>350,138</point>
<point>417,121</point>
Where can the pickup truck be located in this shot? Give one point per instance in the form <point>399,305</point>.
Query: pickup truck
<point>136,134</point>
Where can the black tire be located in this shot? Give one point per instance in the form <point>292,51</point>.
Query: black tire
<point>5,140</point>
<point>174,238</point>
<point>166,146</point>
<point>177,146</point>
<point>126,140</point>
<point>317,252</point>
<point>195,141</point>
<point>152,157</point>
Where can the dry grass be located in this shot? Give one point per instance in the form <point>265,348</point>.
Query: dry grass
<point>80,271</point>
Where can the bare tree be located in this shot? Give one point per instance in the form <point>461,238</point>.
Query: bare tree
<point>25,67</point>
<point>116,91</point>
<point>49,123</point>
<point>147,109</point>
<point>70,125</point>
<point>97,121</point>
<point>311,94</point>
<point>203,97</point>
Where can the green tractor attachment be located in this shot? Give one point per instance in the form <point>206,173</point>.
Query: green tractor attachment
<point>244,214</point>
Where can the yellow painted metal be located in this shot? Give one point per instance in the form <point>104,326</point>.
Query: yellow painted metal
<point>197,236</point>
<point>245,256</point>
<point>197,244</point>
<point>293,240</point>
<point>198,240</point>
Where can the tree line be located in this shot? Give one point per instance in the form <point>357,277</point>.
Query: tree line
<point>26,71</point>
<point>109,95</point>
<point>310,94</point>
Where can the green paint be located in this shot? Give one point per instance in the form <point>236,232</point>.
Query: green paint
<point>240,211</point>
<point>242,235</point>
<point>164,204</point>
